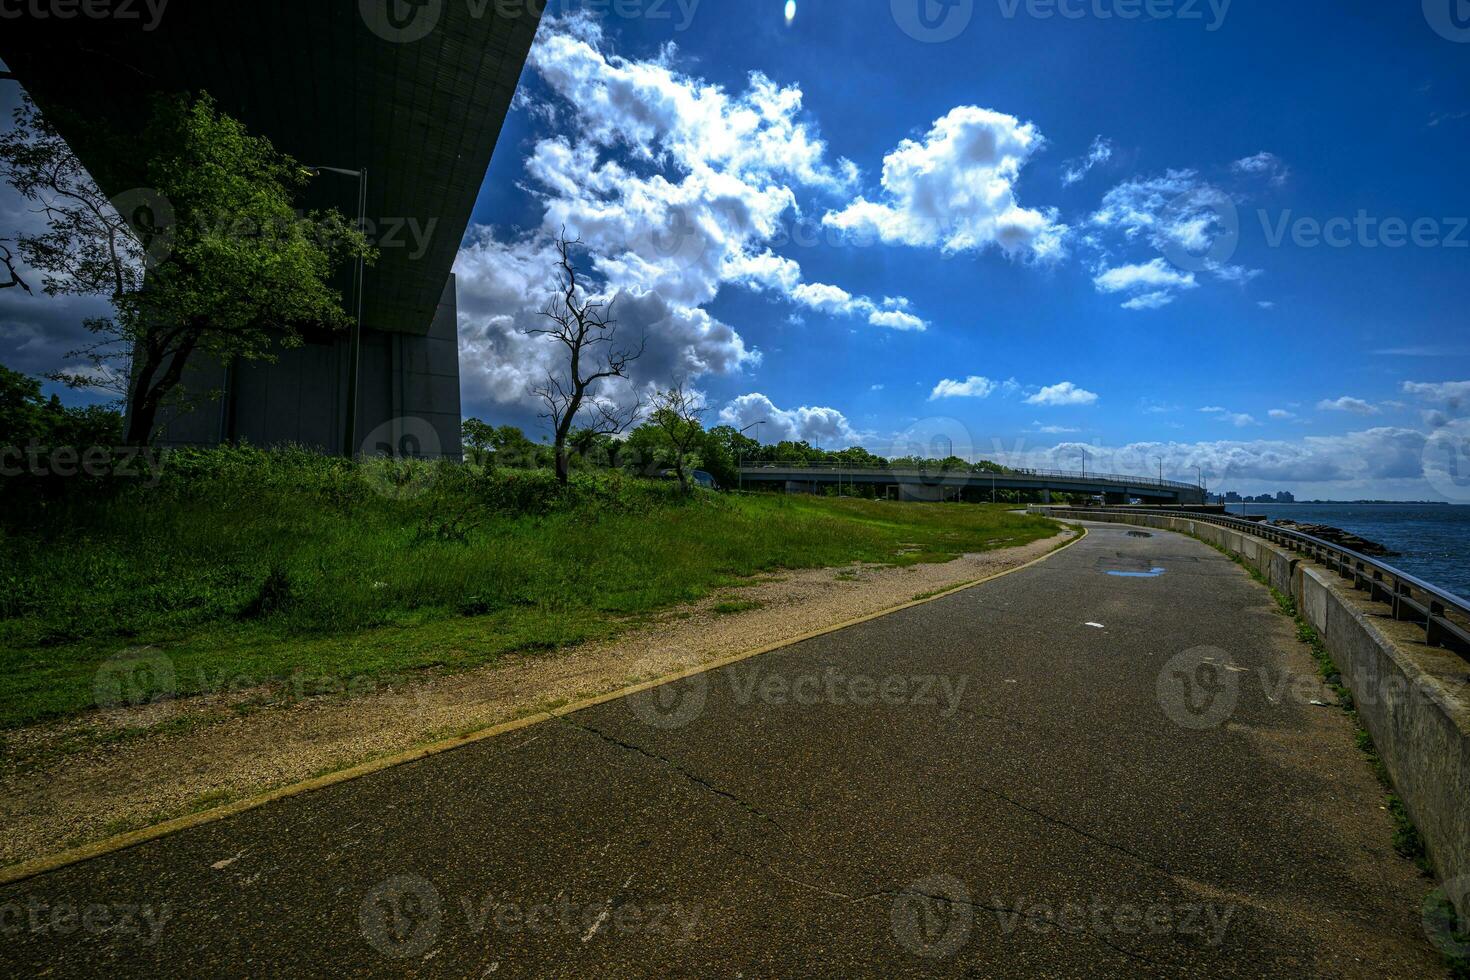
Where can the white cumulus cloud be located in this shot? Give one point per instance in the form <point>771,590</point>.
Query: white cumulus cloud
<point>1454,395</point>
<point>1347,403</point>
<point>677,187</point>
<point>1176,215</point>
<point>826,427</point>
<point>1154,283</point>
<point>974,386</point>
<point>956,189</point>
<point>1065,393</point>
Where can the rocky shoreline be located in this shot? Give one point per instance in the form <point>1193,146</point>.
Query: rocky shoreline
<point>1341,538</point>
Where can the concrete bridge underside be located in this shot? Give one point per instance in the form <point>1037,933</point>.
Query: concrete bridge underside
<point>939,486</point>
<point>412,93</point>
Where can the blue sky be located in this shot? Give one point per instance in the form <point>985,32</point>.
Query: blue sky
<point>1016,238</point>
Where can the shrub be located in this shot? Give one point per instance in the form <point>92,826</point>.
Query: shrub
<point>520,491</point>
<point>274,595</point>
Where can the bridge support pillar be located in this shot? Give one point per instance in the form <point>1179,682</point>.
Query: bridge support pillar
<point>1046,496</point>
<point>1114,499</point>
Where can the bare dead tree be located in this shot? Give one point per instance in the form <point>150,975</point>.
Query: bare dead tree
<point>679,414</point>
<point>588,333</point>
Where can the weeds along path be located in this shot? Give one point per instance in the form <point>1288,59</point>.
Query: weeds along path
<point>240,568</point>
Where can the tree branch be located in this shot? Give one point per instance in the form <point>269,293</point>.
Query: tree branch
<point>8,261</point>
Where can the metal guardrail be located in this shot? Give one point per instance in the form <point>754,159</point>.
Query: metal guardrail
<point>1444,615</point>
<point>1139,481</point>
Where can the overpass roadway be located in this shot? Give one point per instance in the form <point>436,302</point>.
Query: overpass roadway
<point>963,484</point>
<point>1022,779</point>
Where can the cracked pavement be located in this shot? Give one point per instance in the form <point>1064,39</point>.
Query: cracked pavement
<point>824,810</point>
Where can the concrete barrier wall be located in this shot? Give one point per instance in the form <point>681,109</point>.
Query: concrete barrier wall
<point>1412,698</point>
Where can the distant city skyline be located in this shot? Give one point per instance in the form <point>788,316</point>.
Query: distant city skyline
<point>1236,253</point>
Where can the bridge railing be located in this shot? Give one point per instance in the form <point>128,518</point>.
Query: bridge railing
<point>1078,475</point>
<point>1444,616</point>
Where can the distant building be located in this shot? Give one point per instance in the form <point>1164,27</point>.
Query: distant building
<point>1233,498</point>
<point>1285,497</point>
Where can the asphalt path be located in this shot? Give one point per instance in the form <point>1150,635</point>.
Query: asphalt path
<point>1106,764</point>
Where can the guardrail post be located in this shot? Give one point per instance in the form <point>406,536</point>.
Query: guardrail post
<point>1401,610</point>
<point>1375,586</point>
<point>1433,633</point>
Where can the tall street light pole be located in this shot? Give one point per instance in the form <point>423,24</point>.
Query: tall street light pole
<point>354,347</point>
<point>740,456</point>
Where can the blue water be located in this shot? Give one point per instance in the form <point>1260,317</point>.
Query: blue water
<point>1435,541</point>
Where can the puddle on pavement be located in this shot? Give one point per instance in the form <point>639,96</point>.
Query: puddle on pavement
<point>1121,566</point>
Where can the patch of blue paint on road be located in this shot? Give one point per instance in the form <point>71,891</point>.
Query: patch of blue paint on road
<point>1155,573</point>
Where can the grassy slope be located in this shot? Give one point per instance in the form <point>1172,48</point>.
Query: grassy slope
<point>271,581</point>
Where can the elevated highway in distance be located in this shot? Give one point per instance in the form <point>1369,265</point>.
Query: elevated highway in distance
<point>917,484</point>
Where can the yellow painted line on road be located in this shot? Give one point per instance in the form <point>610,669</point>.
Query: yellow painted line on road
<point>43,865</point>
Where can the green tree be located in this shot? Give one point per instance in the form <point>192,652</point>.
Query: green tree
<point>796,452</point>
<point>20,407</point>
<point>477,437</point>
<point>232,271</point>
<point>583,443</point>
<point>725,449</point>
<point>514,451</point>
<point>27,416</point>
<point>857,456</point>
<point>677,420</point>
<point>607,451</point>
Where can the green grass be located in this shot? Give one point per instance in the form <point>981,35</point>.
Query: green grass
<point>244,567</point>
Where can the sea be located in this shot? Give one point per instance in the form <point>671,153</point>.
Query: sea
<point>1434,540</point>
